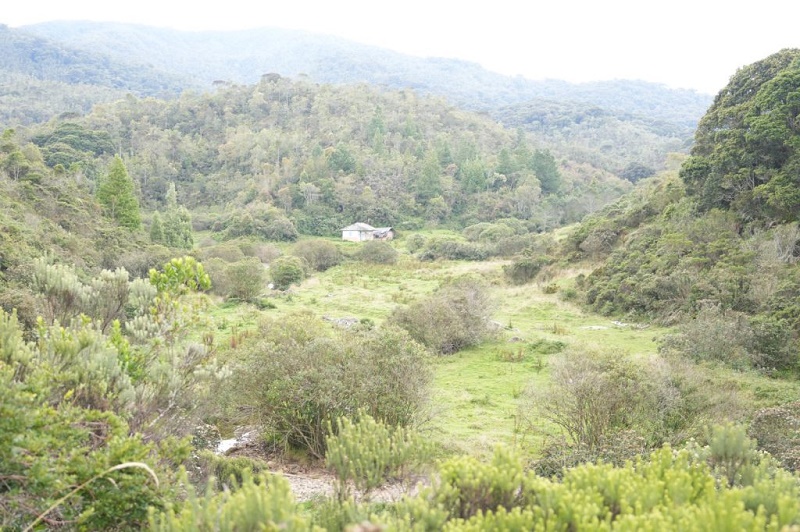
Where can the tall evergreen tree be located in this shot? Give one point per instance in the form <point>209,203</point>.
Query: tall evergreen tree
<point>177,227</point>
<point>117,196</point>
<point>156,229</point>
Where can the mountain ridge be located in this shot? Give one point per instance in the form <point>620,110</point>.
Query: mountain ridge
<point>207,56</point>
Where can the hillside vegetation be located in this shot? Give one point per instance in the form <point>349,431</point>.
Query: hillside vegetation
<point>321,157</point>
<point>624,127</point>
<point>171,273</point>
<point>244,56</point>
<point>715,249</point>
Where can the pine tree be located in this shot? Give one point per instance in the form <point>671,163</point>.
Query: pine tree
<point>177,227</point>
<point>117,196</point>
<point>156,229</point>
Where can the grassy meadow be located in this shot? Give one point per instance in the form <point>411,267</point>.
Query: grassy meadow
<point>476,391</point>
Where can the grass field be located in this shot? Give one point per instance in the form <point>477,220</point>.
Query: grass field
<point>476,391</point>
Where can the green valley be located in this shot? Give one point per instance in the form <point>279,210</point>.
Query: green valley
<point>568,315</point>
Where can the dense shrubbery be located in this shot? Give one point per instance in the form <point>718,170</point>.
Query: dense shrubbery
<point>257,221</point>
<point>77,403</point>
<point>377,252</point>
<point>286,271</point>
<point>669,490</point>
<point>525,269</point>
<point>318,254</point>
<point>454,317</point>
<point>609,406</point>
<point>299,375</point>
<point>445,248</point>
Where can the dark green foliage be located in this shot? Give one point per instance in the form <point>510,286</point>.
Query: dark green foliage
<point>286,271</point>
<point>636,171</point>
<point>746,149</point>
<point>445,248</point>
<point>246,279</point>
<point>263,223</point>
<point>319,254</point>
<point>544,166</point>
<point>156,229</point>
<point>297,376</point>
<point>71,143</point>
<point>377,252</point>
<point>454,317</point>
<point>525,269</point>
<point>117,195</point>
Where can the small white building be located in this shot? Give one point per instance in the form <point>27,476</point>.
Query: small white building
<point>361,232</point>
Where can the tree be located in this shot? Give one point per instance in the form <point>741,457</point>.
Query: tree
<point>544,166</point>
<point>117,196</point>
<point>745,156</point>
<point>156,229</point>
<point>177,227</point>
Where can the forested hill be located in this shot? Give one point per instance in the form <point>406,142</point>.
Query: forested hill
<point>243,56</point>
<point>40,78</point>
<point>326,155</point>
<point>717,247</point>
<point>48,60</point>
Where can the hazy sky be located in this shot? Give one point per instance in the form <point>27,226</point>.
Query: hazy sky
<point>694,44</point>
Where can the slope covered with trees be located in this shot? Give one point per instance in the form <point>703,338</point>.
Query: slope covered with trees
<point>114,353</point>
<point>42,78</point>
<point>243,56</point>
<point>297,156</point>
<point>715,249</point>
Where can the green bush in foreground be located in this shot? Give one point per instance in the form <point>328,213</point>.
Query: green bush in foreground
<point>366,454</point>
<point>263,503</point>
<point>670,490</point>
<point>298,375</point>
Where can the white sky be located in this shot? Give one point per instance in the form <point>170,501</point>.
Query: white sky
<point>695,44</point>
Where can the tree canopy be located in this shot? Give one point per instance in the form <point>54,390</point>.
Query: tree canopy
<point>747,147</point>
<point>117,195</point>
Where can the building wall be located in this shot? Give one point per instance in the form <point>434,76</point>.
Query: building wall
<point>356,236</point>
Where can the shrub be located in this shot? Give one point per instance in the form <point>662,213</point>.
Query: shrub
<point>443,248</point>
<point>714,335</point>
<point>297,376</point>
<point>454,317</point>
<point>245,278</point>
<point>415,242</point>
<point>473,232</point>
<point>525,269</point>
<point>594,394</point>
<point>261,503</point>
<point>63,404</point>
<point>319,254</point>
<point>366,454</point>
<point>777,431</point>
<point>377,252</point>
<point>227,251</point>
<point>286,271</point>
